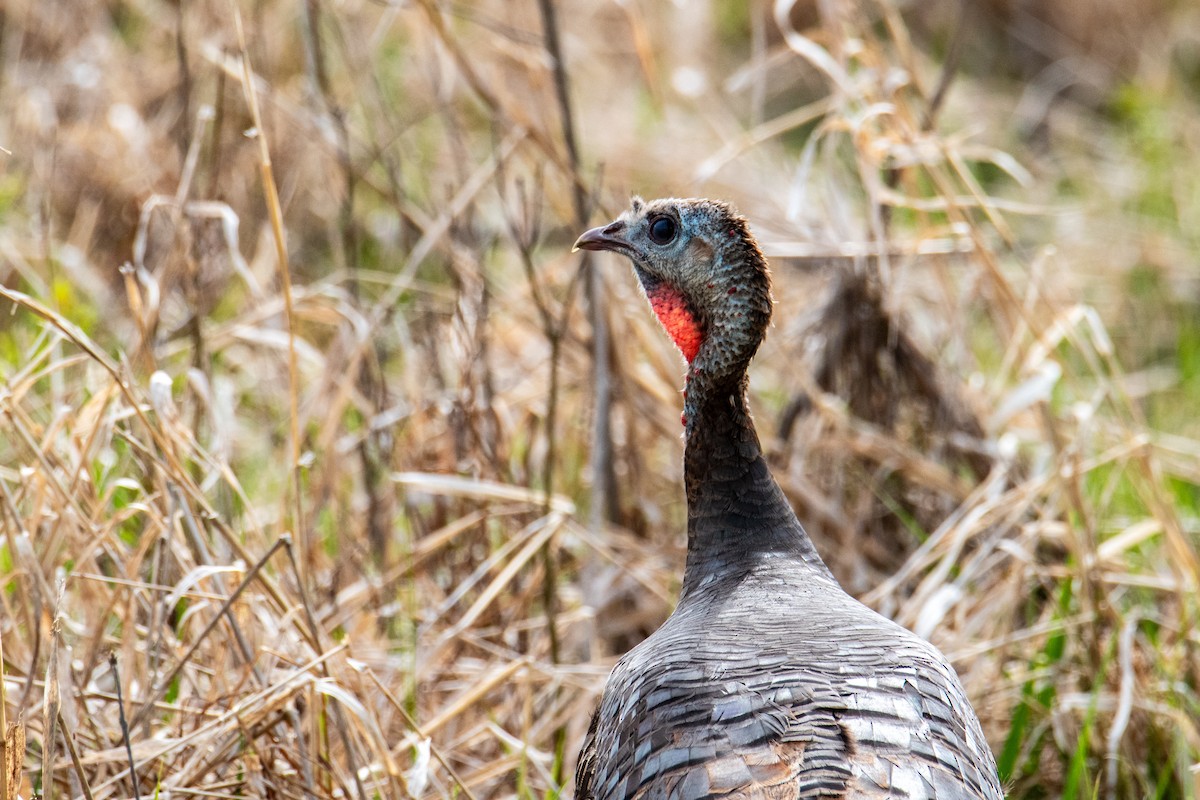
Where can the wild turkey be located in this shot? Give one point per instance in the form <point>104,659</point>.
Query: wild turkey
<point>768,680</point>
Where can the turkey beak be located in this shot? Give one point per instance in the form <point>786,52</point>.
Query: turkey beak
<point>603,238</point>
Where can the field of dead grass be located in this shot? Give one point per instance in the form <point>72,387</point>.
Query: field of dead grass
<point>326,470</point>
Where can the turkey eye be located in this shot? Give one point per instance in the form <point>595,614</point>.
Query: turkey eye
<point>662,230</point>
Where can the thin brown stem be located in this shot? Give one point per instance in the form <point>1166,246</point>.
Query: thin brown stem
<point>133,776</point>
<point>156,694</point>
<point>605,502</point>
<point>275,212</point>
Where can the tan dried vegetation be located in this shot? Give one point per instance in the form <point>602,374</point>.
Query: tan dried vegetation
<point>327,471</point>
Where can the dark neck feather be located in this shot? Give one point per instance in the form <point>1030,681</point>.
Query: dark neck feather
<point>736,511</point>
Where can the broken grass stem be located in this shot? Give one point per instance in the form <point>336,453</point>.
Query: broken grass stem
<point>157,694</point>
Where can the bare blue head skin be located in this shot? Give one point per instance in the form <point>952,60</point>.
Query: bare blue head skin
<point>704,274</point>
<point>708,282</point>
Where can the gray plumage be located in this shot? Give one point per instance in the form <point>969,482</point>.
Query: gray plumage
<point>768,680</point>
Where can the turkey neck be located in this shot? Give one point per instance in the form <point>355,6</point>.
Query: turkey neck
<point>737,514</point>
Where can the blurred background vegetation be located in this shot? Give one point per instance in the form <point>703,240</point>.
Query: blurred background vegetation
<point>327,470</point>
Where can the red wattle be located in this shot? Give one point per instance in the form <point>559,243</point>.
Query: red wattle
<point>678,320</point>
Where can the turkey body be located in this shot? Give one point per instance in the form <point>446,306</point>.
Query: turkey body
<point>761,685</point>
<point>768,680</point>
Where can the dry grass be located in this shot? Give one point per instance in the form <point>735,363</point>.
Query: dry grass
<point>311,479</point>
